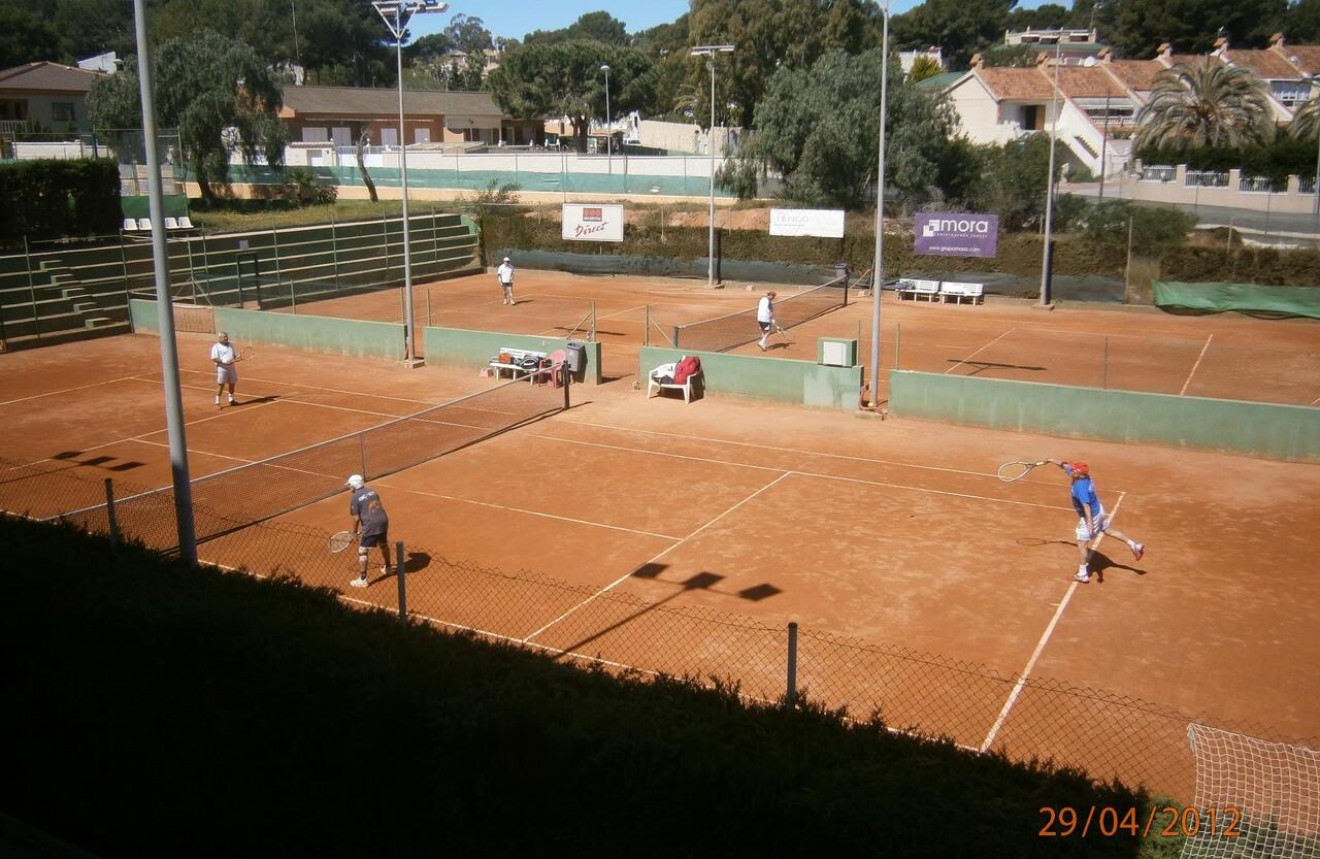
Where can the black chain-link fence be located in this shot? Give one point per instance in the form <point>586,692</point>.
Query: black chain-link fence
<point>981,709</point>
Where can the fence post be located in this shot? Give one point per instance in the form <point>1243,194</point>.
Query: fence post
<point>790,699</point>
<point>403,587</point>
<point>32,286</point>
<point>567,374</point>
<point>110,513</point>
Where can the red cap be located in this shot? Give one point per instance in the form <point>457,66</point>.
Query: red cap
<point>772,293</point>
<point>1080,468</point>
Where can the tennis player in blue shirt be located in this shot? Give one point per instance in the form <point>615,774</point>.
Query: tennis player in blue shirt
<point>1092,518</point>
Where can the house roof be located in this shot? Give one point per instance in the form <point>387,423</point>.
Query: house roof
<point>48,77</point>
<point>1136,75</point>
<point>1306,58</point>
<point>1088,82</point>
<point>939,82</point>
<point>1266,64</point>
<point>1014,84</point>
<point>361,102</point>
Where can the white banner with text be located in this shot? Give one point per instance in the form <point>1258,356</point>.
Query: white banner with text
<point>593,222</point>
<point>826,223</point>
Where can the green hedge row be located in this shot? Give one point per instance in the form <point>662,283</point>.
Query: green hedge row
<point>50,198</point>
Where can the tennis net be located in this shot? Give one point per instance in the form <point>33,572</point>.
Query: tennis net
<point>238,497</point>
<point>729,332</point>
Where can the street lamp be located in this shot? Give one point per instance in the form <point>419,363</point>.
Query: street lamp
<point>877,268</point>
<point>609,135</point>
<point>709,52</point>
<point>397,14</point>
<point>1047,261</point>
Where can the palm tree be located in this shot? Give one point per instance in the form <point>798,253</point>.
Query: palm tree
<point>1306,122</point>
<point>1205,104</point>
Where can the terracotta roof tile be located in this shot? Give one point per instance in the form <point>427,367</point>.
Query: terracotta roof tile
<point>1137,75</point>
<point>362,102</point>
<point>1083,82</point>
<point>1306,58</point>
<point>1266,64</point>
<point>1017,84</point>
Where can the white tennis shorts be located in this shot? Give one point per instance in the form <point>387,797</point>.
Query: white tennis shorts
<point>226,374</point>
<point>1101,523</point>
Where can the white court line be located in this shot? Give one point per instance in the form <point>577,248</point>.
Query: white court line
<point>69,390</point>
<point>1044,639</point>
<point>628,575</point>
<point>1197,364</point>
<point>979,351</point>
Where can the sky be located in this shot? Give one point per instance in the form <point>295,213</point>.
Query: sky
<point>514,19</point>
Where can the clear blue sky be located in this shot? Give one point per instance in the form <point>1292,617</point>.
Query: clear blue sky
<point>514,19</point>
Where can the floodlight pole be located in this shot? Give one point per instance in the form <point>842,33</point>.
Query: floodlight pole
<point>1045,267</point>
<point>397,14</point>
<point>877,268</point>
<point>169,351</point>
<point>609,135</point>
<point>709,52</point>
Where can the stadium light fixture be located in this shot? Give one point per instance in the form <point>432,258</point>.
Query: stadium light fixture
<point>397,14</point>
<point>709,52</point>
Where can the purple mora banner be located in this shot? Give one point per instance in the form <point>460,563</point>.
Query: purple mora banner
<point>957,235</point>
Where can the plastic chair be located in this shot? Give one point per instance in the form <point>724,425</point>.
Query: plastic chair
<point>130,225</point>
<point>171,224</point>
<point>555,372</point>
<point>185,223</point>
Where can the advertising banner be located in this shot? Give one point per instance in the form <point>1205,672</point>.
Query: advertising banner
<point>957,235</point>
<point>826,223</point>
<point>592,222</point>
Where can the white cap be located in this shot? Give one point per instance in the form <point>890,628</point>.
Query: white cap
<point>506,259</point>
<point>355,481</point>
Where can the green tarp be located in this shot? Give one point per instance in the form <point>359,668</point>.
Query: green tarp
<point>1249,298</point>
<point>175,206</point>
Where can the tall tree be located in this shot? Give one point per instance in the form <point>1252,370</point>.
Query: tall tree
<point>961,28</point>
<point>205,88</point>
<point>90,27</point>
<point>1301,23</point>
<point>1137,28</point>
<point>818,127</point>
<point>27,34</point>
<point>1205,104</point>
<point>564,79</point>
<point>591,27</point>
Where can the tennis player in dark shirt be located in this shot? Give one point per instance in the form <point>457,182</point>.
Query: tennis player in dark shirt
<point>372,525</point>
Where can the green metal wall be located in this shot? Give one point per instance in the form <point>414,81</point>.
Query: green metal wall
<point>311,333</point>
<point>1256,429</point>
<point>783,381</point>
<point>475,348</point>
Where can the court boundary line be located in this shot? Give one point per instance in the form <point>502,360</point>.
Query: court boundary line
<point>1044,640</point>
<point>55,393</point>
<point>1192,372</point>
<point>985,346</point>
<point>655,558</point>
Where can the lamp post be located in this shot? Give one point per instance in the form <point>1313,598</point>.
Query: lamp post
<point>877,268</point>
<point>709,52</point>
<point>397,14</point>
<point>1047,261</point>
<point>609,134</point>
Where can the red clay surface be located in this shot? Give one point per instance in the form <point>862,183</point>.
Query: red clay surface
<point>888,532</point>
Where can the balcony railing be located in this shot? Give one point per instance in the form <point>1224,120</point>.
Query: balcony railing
<point>1206,179</point>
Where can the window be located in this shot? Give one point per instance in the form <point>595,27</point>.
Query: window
<point>62,111</point>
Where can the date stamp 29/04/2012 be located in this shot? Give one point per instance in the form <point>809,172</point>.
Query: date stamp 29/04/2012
<point>1168,821</point>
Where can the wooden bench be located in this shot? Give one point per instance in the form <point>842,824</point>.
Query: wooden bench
<point>959,292</point>
<point>512,361</point>
<point>666,371</point>
<point>915,289</point>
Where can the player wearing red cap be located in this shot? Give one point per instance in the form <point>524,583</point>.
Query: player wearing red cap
<point>1092,518</point>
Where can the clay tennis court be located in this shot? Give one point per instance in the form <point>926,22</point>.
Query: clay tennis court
<point>887,532</point>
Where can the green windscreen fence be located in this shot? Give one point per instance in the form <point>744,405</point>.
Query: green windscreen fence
<point>1267,301</point>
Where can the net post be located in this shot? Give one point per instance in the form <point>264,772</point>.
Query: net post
<point>676,327</point>
<point>110,513</point>
<point>646,325</point>
<point>398,574</point>
<point>790,698</point>
<point>567,374</point>
<point>1104,378</point>
<point>592,338</point>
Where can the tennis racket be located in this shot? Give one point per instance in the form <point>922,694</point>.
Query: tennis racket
<point>1011,471</point>
<point>341,540</point>
<point>246,355</point>
<point>779,329</point>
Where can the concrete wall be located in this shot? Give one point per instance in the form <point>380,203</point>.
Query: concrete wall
<point>803,383</point>
<point>1256,429</point>
<point>475,349</point>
